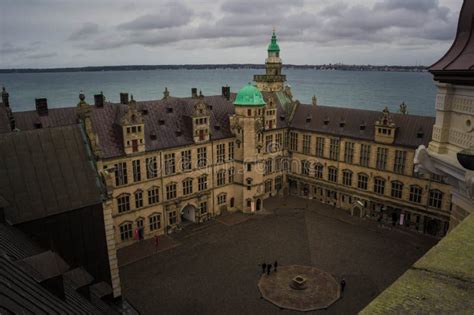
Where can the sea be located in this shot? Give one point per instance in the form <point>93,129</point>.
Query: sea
<point>353,89</point>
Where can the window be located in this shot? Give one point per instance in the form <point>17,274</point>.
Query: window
<point>347,177</point>
<point>306,144</point>
<point>202,208</point>
<point>137,175</point>
<point>186,160</point>
<point>382,158</point>
<point>362,181</point>
<point>231,151</point>
<point>249,167</point>
<point>318,171</point>
<point>397,189</point>
<point>221,199</point>
<point>332,174</point>
<point>170,165</point>
<point>151,168</point>
<point>188,186</point>
<point>202,156</point>
<point>221,178</point>
<point>278,181</point>
<point>172,217</point>
<point>202,183</point>
<point>415,193</point>
<point>279,141</point>
<point>304,168</point>
<point>126,231</point>
<point>138,199</point>
<point>171,191</point>
<point>268,186</point>
<point>334,149</point>
<point>436,198</point>
<point>365,154</point>
<point>123,202</point>
<point>293,141</point>
<point>400,159</point>
<point>155,221</point>
<point>320,147</point>
<point>269,143</point>
<point>379,185</point>
<point>277,164</point>
<point>153,195</point>
<point>231,174</point>
<point>349,152</point>
<point>120,174</point>
<point>268,166</point>
<point>221,153</point>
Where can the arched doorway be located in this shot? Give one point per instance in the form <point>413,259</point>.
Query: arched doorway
<point>259,205</point>
<point>357,209</point>
<point>188,213</point>
<point>293,184</point>
<point>232,201</point>
<point>432,226</point>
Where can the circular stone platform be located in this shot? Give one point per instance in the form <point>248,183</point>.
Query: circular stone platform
<point>300,288</point>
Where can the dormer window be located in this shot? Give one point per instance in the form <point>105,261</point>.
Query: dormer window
<point>153,135</point>
<point>326,121</point>
<point>420,134</point>
<point>169,110</point>
<point>342,124</point>
<point>161,122</point>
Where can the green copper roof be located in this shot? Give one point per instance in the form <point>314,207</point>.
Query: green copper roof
<point>273,44</point>
<point>249,95</point>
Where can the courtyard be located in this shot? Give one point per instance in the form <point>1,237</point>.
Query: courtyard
<point>213,268</point>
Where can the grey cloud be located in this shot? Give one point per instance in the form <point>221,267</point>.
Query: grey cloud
<point>172,14</point>
<point>42,55</point>
<point>9,48</point>
<point>84,32</point>
<point>411,5</point>
<point>252,7</point>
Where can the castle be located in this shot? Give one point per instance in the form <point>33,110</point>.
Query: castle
<point>176,160</point>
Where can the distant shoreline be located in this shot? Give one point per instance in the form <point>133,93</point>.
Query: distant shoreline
<point>329,67</point>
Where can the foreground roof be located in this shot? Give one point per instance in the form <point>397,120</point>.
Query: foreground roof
<point>411,131</point>
<point>44,172</point>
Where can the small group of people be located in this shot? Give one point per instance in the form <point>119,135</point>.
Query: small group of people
<point>268,267</point>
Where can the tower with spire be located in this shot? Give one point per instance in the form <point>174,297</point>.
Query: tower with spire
<point>272,80</point>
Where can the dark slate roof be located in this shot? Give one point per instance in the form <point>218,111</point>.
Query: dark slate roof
<point>457,65</point>
<point>20,293</point>
<point>110,134</point>
<point>45,172</point>
<point>56,117</point>
<point>4,119</point>
<point>408,126</point>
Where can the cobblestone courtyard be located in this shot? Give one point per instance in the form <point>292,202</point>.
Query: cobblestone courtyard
<point>215,269</point>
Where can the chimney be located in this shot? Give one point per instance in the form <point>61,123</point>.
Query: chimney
<point>124,98</point>
<point>194,92</point>
<point>5,97</point>
<point>42,106</point>
<point>226,92</point>
<point>99,100</point>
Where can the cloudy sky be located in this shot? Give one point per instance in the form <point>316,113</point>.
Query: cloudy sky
<point>60,33</point>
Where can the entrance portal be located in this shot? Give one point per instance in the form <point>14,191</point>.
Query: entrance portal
<point>357,209</point>
<point>189,213</point>
<point>259,204</point>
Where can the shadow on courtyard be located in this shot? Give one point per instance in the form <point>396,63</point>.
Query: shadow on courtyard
<point>215,270</point>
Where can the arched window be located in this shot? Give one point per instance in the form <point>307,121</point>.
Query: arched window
<point>415,193</point>
<point>379,185</point>
<point>138,199</point>
<point>187,186</point>
<point>347,177</point>
<point>318,170</point>
<point>126,231</point>
<point>332,174</point>
<point>397,189</point>
<point>154,221</point>
<point>123,203</point>
<point>436,198</point>
<point>362,181</point>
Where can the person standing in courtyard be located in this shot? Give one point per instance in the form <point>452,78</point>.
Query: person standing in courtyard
<point>343,285</point>
<point>275,265</point>
<point>269,269</point>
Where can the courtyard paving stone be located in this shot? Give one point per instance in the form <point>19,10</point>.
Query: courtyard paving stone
<point>216,270</point>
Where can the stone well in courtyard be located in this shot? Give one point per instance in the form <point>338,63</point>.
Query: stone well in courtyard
<point>300,288</point>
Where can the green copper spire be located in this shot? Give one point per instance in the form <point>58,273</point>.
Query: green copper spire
<point>273,47</point>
